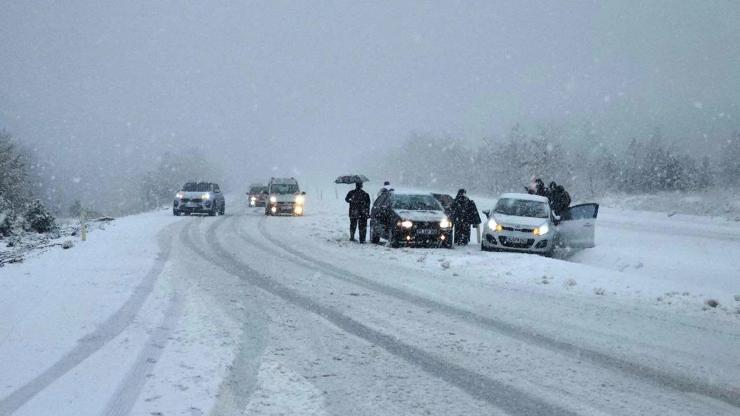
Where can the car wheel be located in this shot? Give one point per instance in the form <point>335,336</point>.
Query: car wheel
<point>223,210</point>
<point>176,213</point>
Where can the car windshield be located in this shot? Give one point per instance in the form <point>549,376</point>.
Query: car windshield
<point>197,187</point>
<point>522,208</point>
<point>284,188</point>
<point>416,203</point>
<point>258,189</point>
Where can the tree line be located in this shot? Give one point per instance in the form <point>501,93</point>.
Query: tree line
<point>585,167</point>
<point>30,200</point>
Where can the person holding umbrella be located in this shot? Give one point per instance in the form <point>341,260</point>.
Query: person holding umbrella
<point>359,211</point>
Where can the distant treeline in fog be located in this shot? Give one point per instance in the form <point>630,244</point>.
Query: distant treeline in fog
<point>586,167</point>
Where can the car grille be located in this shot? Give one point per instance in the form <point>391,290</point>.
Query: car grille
<point>524,230</point>
<point>506,243</point>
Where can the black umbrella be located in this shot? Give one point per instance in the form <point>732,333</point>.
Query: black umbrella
<point>349,179</point>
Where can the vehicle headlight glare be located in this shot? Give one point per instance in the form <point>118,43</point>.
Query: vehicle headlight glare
<point>273,199</point>
<point>300,199</point>
<point>445,223</point>
<point>180,195</point>
<point>493,225</point>
<point>206,196</point>
<point>542,229</point>
<point>407,224</point>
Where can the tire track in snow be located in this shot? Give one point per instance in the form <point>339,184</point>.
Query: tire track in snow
<point>130,387</point>
<point>236,390</point>
<point>729,394</point>
<point>96,340</point>
<point>500,395</point>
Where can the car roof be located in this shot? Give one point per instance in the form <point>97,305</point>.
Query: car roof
<point>411,193</point>
<point>283,181</point>
<point>526,197</point>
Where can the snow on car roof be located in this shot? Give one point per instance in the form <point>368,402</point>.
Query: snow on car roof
<point>526,197</point>
<point>283,181</point>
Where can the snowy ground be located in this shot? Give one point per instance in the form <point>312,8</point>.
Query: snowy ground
<point>244,314</point>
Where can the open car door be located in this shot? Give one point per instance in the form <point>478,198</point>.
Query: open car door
<point>577,226</point>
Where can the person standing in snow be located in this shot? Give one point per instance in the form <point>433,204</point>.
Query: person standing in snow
<point>464,214</point>
<point>359,211</point>
<point>386,188</point>
<point>538,188</point>
<point>559,199</point>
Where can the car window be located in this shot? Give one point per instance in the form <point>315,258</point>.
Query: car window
<point>522,208</point>
<point>197,187</point>
<point>284,188</point>
<point>416,203</point>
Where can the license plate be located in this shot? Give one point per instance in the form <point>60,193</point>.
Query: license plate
<point>427,231</point>
<point>517,240</point>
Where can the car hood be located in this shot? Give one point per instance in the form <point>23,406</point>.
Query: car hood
<point>192,195</point>
<point>519,222</point>
<point>285,197</point>
<point>420,215</point>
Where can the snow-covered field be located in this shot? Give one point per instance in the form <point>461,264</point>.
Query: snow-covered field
<point>245,314</point>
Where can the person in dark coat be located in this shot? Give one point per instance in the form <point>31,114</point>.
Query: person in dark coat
<point>464,214</point>
<point>559,199</point>
<point>359,211</point>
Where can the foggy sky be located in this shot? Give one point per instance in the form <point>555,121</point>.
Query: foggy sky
<point>298,87</point>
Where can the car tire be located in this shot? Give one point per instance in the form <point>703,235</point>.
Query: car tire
<point>222,211</point>
<point>176,213</point>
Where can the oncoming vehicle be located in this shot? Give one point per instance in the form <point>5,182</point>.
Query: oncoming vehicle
<point>410,218</point>
<point>523,222</point>
<point>284,197</point>
<point>199,198</point>
<point>257,195</point>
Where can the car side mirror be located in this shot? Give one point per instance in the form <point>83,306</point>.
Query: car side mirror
<point>303,193</point>
<point>487,213</point>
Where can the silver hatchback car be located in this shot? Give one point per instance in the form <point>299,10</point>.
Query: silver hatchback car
<point>523,222</point>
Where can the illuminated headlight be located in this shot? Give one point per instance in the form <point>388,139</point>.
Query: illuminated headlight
<point>541,230</point>
<point>273,210</point>
<point>253,199</point>
<point>493,225</point>
<point>298,209</point>
<point>445,223</point>
<point>273,199</point>
<point>206,196</point>
<point>179,195</point>
<point>300,199</point>
<point>407,224</point>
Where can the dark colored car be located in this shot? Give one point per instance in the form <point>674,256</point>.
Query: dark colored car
<point>257,195</point>
<point>199,198</point>
<point>416,219</point>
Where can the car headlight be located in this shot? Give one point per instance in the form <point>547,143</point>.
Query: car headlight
<point>253,199</point>
<point>299,199</point>
<point>273,199</point>
<point>445,223</point>
<point>407,224</point>
<point>541,230</point>
<point>493,225</point>
<point>179,195</point>
<point>206,196</point>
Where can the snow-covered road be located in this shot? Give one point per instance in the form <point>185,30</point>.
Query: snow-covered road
<point>246,314</point>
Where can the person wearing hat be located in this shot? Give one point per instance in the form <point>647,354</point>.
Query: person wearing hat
<point>359,211</point>
<point>464,214</point>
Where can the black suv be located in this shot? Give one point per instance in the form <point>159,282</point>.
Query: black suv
<point>199,198</point>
